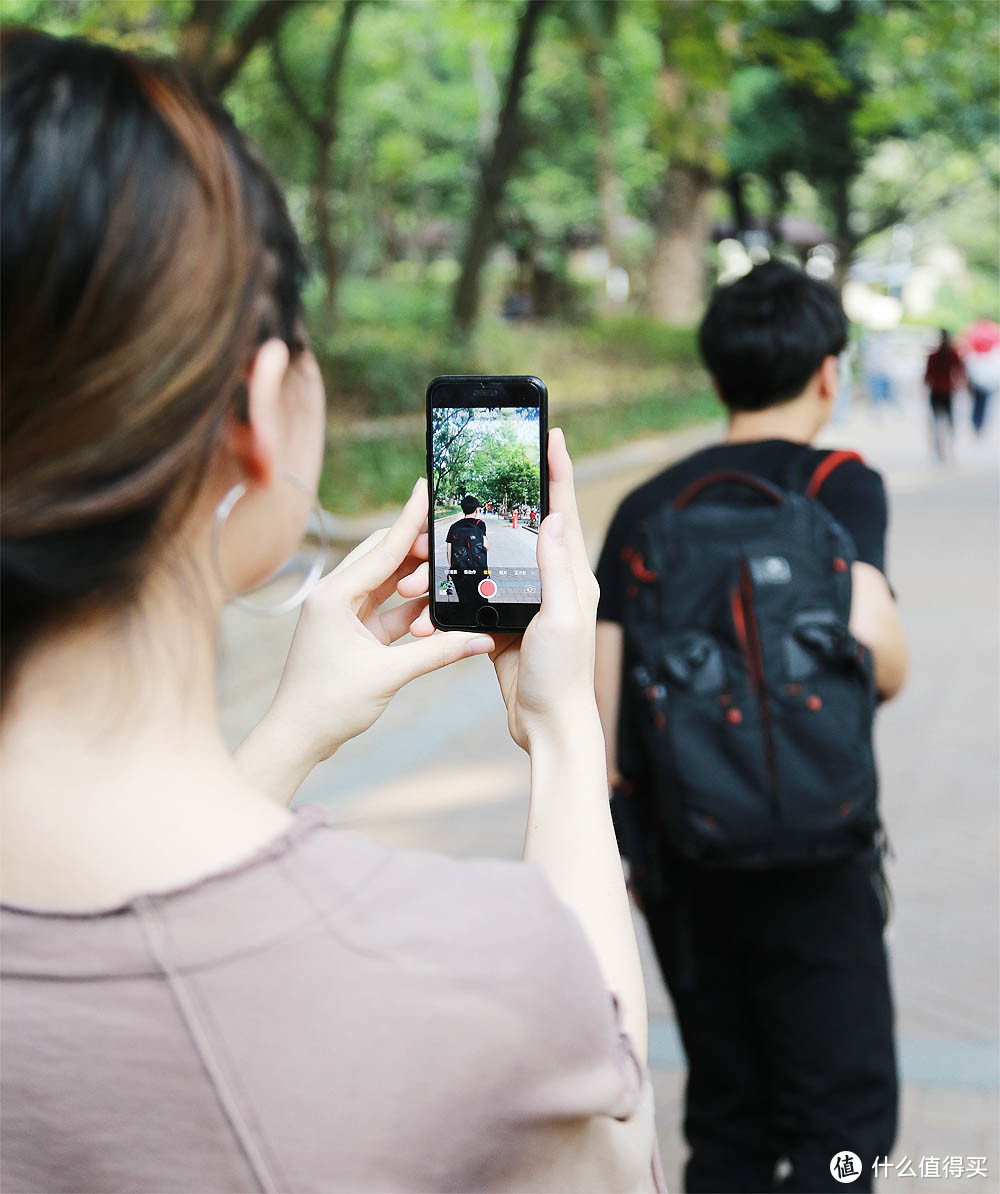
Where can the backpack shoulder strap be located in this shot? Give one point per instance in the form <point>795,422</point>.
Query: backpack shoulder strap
<point>825,467</point>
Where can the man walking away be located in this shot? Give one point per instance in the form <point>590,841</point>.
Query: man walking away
<point>746,630</point>
<point>944,374</point>
<point>467,545</point>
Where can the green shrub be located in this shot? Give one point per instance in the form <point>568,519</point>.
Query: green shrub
<point>597,429</point>
<point>382,370</point>
<point>370,474</point>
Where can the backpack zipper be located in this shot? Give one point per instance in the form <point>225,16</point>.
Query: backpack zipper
<point>745,625</point>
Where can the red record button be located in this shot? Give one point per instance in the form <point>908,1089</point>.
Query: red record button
<point>487,588</point>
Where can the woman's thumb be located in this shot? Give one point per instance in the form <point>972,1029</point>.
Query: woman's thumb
<point>554,563</point>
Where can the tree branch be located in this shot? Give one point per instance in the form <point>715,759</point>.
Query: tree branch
<point>262,25</point>
<point>335,63</point>
<point>292,94</point>
<point>198,34</point>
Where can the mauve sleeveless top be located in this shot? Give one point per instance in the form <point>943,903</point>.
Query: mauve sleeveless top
<point>329,1015</point>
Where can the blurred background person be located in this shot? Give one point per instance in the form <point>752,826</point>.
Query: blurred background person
<point>944,376</point>
<point>876,362</point>
<point>981,357</point>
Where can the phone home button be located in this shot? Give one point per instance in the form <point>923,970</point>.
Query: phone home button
<point>487,617</point>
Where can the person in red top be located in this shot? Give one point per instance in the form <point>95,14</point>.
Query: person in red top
<point>944,374</point>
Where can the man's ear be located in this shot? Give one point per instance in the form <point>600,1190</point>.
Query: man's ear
<point>256,437</point>
<point>828,376</point>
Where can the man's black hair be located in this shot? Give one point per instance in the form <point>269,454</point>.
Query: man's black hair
<point>765,335</point>
<point>470,504</point>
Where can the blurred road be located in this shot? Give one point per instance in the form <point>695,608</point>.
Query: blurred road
<point>938,748</point>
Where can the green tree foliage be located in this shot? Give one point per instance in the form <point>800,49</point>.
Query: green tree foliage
<point>826,86</point>
<point>512,480</point>
<point>413,137</point>
<point>455,443</point>
<point>478,452</point>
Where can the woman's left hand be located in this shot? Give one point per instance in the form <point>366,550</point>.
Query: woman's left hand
<point>342,669</point>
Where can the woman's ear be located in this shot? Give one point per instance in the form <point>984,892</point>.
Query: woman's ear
<point>256,437</point>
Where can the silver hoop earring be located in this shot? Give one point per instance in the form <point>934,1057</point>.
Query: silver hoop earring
<point>222,512</point>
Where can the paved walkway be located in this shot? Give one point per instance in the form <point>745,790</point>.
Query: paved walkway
<point>938,747</point>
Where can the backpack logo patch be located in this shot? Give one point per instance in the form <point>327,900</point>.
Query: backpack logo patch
<point>771,570</point>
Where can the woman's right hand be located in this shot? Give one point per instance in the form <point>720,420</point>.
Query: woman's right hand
<point>346,661</point>
<point>547,674</point>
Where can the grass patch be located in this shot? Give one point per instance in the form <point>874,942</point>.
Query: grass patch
<point>363,474</point>
<point>597,429</point>
<point>371,474</point>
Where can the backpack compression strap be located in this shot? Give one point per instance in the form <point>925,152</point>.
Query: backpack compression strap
<point>826,466</point>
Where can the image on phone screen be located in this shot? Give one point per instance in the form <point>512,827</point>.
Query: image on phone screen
<point>486,504</point>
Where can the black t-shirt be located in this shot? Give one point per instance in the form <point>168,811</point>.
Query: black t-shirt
<point>853,493</point>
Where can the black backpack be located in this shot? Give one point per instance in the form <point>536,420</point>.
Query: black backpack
<point>755,704</point>
<point>467,548</point>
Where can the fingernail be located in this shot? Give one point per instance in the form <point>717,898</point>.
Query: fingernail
<point>558,527</point>
<point>479,646</point>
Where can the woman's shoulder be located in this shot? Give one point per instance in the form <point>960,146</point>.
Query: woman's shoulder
<point>485,915</point>
<point>488,932</point>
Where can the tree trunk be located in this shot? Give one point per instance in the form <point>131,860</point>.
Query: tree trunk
<point>506,144</point>
<point>324,128</point>
<point>198,34</point>
<point>736,188</point>
<point>609,190</point>
<point>778,188</point>
<point>675,290</point>
<point>329,258</point>
<point>329,253</point>
<point>844,240</point>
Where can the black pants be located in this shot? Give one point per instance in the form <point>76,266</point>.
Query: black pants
<point>467,591</point>
<point>781,988</point>
<point>980,400</point>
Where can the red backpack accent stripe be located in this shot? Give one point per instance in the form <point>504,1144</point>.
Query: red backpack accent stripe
<point>826,467</point>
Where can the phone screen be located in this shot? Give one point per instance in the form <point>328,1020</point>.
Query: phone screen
<point>487,478</point>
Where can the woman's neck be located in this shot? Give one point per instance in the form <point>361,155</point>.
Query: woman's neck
<point>116,776</point>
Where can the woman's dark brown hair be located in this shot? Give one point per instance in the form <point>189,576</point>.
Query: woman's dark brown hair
<point>146,253</point>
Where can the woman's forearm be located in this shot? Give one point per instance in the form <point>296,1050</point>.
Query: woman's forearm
<point>571,837</point>
<point>273,760</point>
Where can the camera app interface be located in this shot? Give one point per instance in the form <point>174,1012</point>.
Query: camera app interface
<point>487,498</point>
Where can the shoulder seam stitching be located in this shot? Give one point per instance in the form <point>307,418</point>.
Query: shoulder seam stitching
<point>203,1048</point>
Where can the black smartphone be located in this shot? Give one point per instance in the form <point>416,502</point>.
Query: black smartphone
<point>489,491</point>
